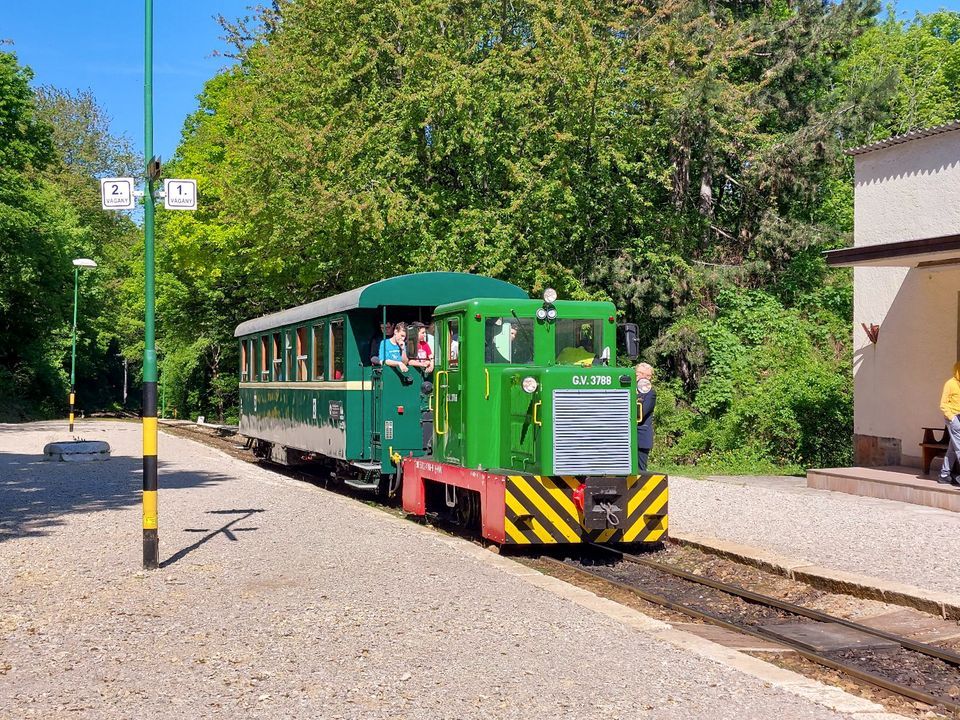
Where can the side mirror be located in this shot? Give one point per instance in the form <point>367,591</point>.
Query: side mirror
<point>631,340</point>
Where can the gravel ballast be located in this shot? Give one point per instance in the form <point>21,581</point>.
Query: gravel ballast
<point>886,539</point>
<point>282,600</point>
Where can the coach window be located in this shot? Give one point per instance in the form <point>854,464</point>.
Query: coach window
<point>336,350</point>
<point>265,358</point>
<point>251,361</point>
<point>243,360</point>
<point>288,373</point>
<point>453,343</point>
<point>319,362</point>
<point>277,358</point>
<point>301,353</point>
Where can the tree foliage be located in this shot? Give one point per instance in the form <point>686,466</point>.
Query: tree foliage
<point>51,145</point>
<point>683,158</point>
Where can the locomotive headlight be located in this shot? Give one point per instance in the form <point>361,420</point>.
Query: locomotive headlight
<point>550,295</point>
<point>530,384</point>
<point>541,313</point>
<point>552,314</point>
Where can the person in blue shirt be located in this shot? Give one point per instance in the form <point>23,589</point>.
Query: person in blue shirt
<point>393,350</point>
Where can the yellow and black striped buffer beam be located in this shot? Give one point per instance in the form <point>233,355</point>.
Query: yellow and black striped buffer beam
<point>540,509</point>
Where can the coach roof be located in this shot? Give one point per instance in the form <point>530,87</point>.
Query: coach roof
<point>419,289</point>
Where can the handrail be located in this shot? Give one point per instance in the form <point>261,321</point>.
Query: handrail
<point>537,404</point>
<point>487,373</point>
<point>436,422</point>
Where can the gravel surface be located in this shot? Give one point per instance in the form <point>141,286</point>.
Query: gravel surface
<point>896,541</point>
<point>281,600</point>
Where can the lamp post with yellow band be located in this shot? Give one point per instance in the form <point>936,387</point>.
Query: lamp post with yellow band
<point>77,264</point>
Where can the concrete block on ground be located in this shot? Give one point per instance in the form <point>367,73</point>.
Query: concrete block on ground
<point>77,451</point>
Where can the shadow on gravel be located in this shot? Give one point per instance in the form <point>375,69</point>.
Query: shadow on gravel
<point>36,494</point>
<point>227,530</point>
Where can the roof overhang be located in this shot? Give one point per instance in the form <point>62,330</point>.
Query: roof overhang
<point>427,289</point>
<point>927,252</point>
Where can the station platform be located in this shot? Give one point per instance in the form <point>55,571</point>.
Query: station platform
<point>894,482</point>
<point>278,599</point>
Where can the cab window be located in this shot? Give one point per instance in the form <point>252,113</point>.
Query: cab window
<point>577,341</point>
<point>508,340</point>
<point>453,344</point>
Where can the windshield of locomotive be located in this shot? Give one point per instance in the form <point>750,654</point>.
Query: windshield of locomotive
<point>578,341</point>
<point>509,340</point>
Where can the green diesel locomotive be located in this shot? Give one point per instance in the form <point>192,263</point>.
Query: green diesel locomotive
<point>525,428</point>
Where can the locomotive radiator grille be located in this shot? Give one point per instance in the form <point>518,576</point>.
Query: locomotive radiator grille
<point>592,432</point>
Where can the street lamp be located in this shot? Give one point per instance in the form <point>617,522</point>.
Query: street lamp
<point>77,264</point>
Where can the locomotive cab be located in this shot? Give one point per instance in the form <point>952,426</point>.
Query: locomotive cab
<point>530,386</point>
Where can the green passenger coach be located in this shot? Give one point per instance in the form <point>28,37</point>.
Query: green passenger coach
<point>526,428</point>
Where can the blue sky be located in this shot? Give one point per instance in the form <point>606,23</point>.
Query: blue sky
<point>99,46</point>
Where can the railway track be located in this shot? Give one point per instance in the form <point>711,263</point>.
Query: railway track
<point>914,670</point>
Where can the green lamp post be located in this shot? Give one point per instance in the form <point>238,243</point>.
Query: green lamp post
<point>77,264</point>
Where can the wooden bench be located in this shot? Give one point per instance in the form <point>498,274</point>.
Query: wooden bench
<point>933,448</point>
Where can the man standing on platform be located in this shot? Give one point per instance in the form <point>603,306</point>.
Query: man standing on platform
<point>646,401</point>
<point>950,407</point>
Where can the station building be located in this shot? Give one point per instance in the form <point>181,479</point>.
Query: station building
<point>906,311</point>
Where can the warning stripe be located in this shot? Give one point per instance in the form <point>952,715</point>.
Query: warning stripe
<point>534,517</point>
<point>514,534</point>
<point>540,510</point>
<point>646,520</point>
<point>649,487</point>
<point>559,493</point>
<point>541,502</point>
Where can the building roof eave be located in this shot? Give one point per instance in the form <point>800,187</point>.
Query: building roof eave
<point>925,252</point>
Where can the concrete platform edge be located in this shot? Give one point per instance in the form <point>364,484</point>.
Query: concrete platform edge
<point>863,586</point>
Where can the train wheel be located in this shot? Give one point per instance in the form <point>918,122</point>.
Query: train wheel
<point>466,511</point>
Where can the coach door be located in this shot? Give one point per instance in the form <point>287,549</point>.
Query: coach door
<point>375,401</point>
<point>448,412</point>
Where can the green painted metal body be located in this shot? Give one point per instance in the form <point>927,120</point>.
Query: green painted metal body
<point>486,420</point>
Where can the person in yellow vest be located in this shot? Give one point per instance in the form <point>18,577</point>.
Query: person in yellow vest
<point>950,407</point>
<point>646,401</point>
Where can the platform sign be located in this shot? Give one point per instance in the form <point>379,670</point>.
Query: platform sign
<point>116,193</point>
<point>180,194</point>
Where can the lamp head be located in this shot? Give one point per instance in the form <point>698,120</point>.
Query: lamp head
<point>84,262</point>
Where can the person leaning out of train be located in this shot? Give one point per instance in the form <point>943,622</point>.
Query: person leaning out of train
<point>386,330</point>
<point>646,401</point>
<point>424,357</point>
<point>393,350</point>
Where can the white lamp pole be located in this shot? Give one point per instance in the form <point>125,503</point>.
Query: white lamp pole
<point>77,264</point>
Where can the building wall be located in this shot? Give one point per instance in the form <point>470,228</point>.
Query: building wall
<point>908,191</point>
<point>905,192</point>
